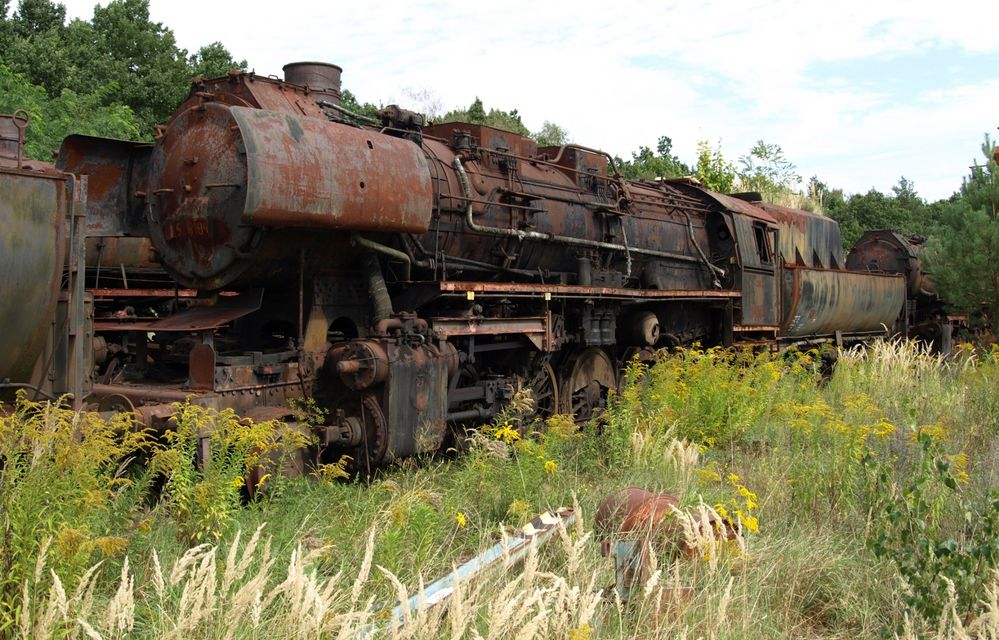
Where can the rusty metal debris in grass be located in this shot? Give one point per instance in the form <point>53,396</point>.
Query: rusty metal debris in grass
<point>510,550</point>
<point>633,524</point>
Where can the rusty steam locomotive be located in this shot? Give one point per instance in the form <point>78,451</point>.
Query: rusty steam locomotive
<point>271,245</point>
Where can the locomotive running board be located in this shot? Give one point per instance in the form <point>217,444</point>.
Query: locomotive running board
<point>227,309</point>
<point>537,329</point>
<point>529,289</point>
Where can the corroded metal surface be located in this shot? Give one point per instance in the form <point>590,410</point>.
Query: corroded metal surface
<point>33,210</point>
<point>404,385</point>
<point>305,172</point>
<point>317,76</point>
<point>220,174</point>
<point>807,239</point>
<point>644,235</point>
<point>633,509</point>
<point>516,288</point>
<point>926,311</point>
<point>12,138</point>
<point>112,253</point>
<point>891,252</point>
<point>634,525</point>
<point>196,194</point>
<point>823,301</point>
<point>201,318</point>
<point>116,182</point>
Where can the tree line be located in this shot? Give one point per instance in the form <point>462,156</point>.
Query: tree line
<point>117,74</point>
<point>120,73</point>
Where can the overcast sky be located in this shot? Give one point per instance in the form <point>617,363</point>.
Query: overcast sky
<point>858,92</point>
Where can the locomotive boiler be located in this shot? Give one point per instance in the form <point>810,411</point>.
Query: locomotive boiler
<point>409,277</point>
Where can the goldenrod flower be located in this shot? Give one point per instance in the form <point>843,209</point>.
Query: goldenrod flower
<point>461,519</point>
<point>582,632</point>
<point>708,474</point>
<point>750,523</point>
<point>550,466</point>
<point>507,434</point>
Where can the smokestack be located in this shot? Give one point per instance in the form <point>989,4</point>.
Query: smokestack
<point>319,77</point>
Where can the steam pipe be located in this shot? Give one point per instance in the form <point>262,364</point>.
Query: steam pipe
<point>469,414</point>
<point>712,268</point>
<point>347,112</point>
<point>550,237</point>
<point>472,265</point>
<point>6,384</point>
<point>381,303</point>
<point>610,161</point>
<point>377,247</point>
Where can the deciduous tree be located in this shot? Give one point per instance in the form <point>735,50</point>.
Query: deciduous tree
<point>119,57</point>
<point>713,170</point>
<point>646,164</point>
<point>551,135</point>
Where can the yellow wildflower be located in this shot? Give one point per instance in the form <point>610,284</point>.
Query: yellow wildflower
<point>959,467</point>
<point>883,428</point>
<point>935,432</point>
<point>550,466</point>
<point>461,519</point>
<point>518,508</point>
<point>111,546</point>
<point>750,523</point>
<point>582,632</point>
<point>708,474</point>
<point>507,434</point>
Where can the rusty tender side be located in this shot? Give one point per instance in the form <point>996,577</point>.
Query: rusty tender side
<point>46,336</point>
<point>408,278</point>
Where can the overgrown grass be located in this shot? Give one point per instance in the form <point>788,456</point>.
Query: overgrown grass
<point>865,502</point>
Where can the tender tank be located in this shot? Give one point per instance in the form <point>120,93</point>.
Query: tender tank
<point>32,252</point>
<point>824,301</point>
<point>891,252</point>
<point>222,175</point>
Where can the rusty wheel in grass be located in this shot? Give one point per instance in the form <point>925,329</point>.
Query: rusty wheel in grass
<point>544,387</point>
<point>589,376</point>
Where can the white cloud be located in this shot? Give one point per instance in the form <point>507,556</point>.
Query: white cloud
<point>738,71</point>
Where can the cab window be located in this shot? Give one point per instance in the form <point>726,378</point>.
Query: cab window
<point>763,248</point>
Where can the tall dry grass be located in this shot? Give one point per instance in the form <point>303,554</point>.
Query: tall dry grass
<point>760,440</point>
